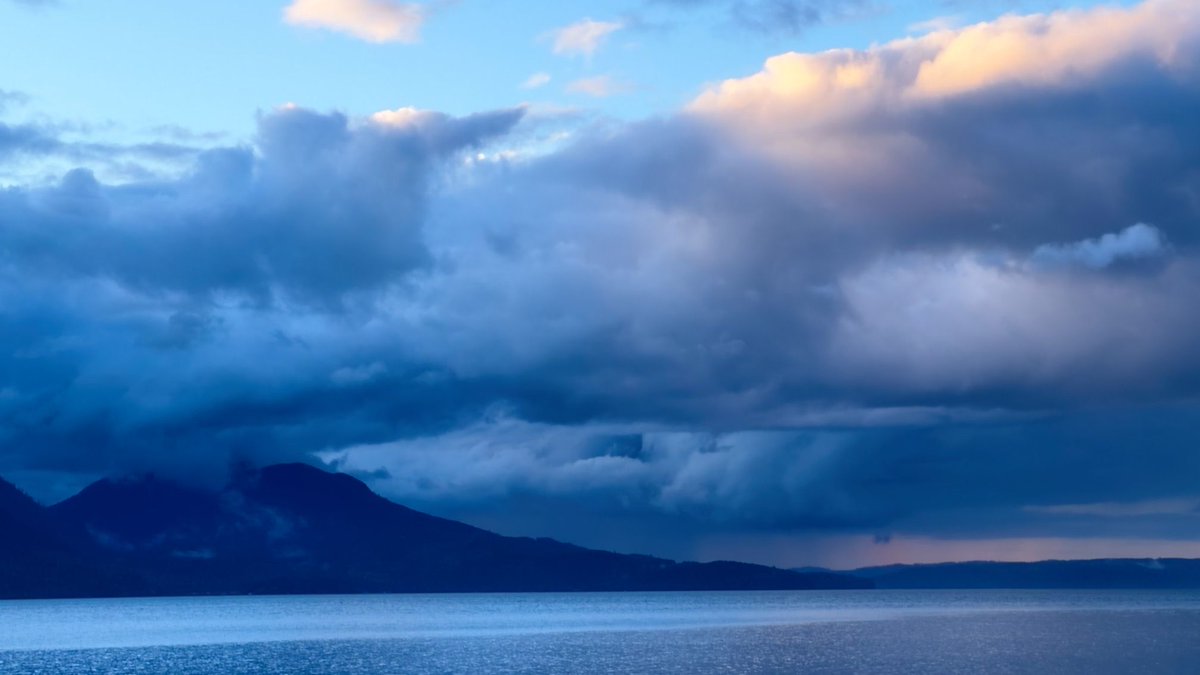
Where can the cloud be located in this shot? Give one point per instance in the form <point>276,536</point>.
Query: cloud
<point>1155,507</point>
<point>779,16</point>
<point>43,148</point>
<point>876,124</point>
<point>370,20</point>
<point>817,301</point>
<point>536,81</point>
<point>1136,242</point>
<point>27,139</point>
<point>902,481</point>
<point>601,86</point>
<point>950,322</point>
<point>266,226</point>
<point>937,23</point>
<point>583,38</point>
<point>10,99</point>
<point>1041,50</point>
<point>357,375</point>
<point>242,257</point>
<point>792,16</point>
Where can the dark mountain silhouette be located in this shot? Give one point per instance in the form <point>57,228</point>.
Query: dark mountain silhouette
<point>1108,573</point>
<point>41,557</point>
<point>297,529</point>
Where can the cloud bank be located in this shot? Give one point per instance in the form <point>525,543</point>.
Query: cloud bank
<point>897,292</point>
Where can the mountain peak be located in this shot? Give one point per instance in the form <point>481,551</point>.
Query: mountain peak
<point>17,509</point>
<point>136,508</point>
<point>12,497</point>
<point>314,491</point>
<point>301,476</point>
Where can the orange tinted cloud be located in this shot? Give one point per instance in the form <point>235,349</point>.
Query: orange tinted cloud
<point>1040,49</point>
<point>370,20</point>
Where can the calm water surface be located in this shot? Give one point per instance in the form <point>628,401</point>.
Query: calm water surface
<point>770,632</point>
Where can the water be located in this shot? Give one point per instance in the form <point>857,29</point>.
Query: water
<point>769,632</point>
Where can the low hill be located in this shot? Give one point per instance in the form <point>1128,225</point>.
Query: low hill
<point>1143,573</point>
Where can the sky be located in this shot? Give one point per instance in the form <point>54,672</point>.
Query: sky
<point>799,282</point>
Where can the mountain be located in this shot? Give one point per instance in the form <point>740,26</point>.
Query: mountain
<point>32,556</point>
<point>294,529</point>
<point>41,557</point>
<point>1110,573</point>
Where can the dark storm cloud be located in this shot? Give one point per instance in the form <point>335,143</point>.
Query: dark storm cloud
<point>172,322</point>
<point>940,478</point>
<point>962,251</point>
<point>859,291</point>
<point>1104,167</point>
<point>26,139</point>
<point>1077,475</point>
<point>318,211</point>
<point>864,216</point>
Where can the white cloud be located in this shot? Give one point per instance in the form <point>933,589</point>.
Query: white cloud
<point>583,37</point>
<point>403,117</point>
<point>1038,50</point>
<point>536,80</point>
<point>370,20</point>
<point>958,321</point>
<point>601,86</point>
<point>1137,242</point>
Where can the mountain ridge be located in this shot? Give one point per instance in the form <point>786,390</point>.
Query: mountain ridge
<point>1096,573</point>
<point>298,529</point>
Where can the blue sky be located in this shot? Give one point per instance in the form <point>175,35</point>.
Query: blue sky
<point>133,66</point>
<point>831,282</point>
